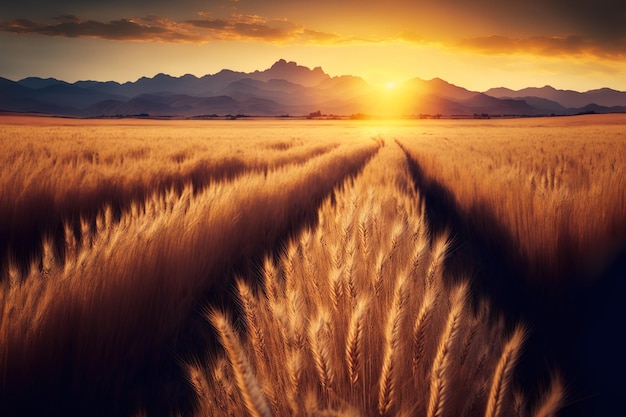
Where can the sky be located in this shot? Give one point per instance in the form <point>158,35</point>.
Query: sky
<point>477,44</point>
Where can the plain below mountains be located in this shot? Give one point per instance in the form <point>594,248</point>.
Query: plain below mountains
<point>287,88</point>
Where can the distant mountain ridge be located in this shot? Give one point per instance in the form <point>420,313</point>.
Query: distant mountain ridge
<point>566,98</point>
<point>287,88</point>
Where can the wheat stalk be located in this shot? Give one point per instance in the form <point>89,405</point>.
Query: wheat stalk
<point>270,278</point>
<point>439,251</point>
<point>295,309</point>
<point>391,345</point>
<point>225,396</point>
<point>251,312</point>
<point>295,367</point>
<point>335,285</point>
<point>552,401</point>
<point>469,339</point>
<point>397,229</point>
<point>13,272</point>
<point>47,255</point>
<point>320,349</point>
<point>438,382</point>
<point>377,276</point>
<point>419,329</point>
<point>336,252</point>
<point>504,371</point>
<point>421,246</point>
<point>350,278</point>
<point>198,381</point>
<point>354,341</point>
<point>364,234</point>
<point>253,397</point>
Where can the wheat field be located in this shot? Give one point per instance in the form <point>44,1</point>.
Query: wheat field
<point>355,319</point>
<point>561,199</point>
<point>299,268</point>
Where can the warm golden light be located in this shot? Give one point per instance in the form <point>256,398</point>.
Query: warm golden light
<point>391,85</point>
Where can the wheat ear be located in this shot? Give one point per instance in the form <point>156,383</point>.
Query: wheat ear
<point>354,341</point>
<point>270,278</point>
<point>377,277</point>
<point>504,371</point>
<point>419,328</point>
<point>296,311</point>
<point>439,252</point>
<point>253,397</point>
<point>421,246</point>
<point>553,400</point>
<point>438,385</point>
<point>251,312</point>
<point>224,390</point>
<point>320,349</point>
<point>392,344</point>
<point>13,272</point>
<point>350,281</point>
<point>364,234</point>
<point>469,339</point>
<point>47,255</point>
<point>335,280</point>
<point>198,381</point>
<point>397,230</point>
<point>295,367</point>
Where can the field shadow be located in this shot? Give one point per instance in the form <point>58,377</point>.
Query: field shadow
<point>574,328</point>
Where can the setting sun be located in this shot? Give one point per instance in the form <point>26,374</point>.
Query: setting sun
<point>391,85</point>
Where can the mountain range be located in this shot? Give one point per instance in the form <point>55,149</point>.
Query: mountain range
<point>287,88</point>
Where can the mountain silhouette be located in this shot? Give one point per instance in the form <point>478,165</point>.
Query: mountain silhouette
<point>283,70</point>
<point>567,98</point>
<point>287,88</point>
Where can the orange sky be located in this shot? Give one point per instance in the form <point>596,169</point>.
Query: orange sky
<point>476,44</point>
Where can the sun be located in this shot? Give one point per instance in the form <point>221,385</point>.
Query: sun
<point>391,85</point>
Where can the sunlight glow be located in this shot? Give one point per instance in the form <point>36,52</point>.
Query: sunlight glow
<point>391,85</point>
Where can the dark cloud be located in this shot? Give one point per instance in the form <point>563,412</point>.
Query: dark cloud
<point>547,46</point>
<point>155,28</point>
<point>67,18</point>
<point>601,20</point>
<point>240,26</point>
<point>123,29</point>
<point>596,27</point>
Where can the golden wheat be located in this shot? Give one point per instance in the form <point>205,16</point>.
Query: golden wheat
<point>356,359</point>
<point>143,272</point>
<point>503,373</point>
<point>555,185</point>
<point>253,397</point>
<point>116,233</point>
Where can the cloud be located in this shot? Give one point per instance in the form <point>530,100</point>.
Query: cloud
<point>66,18</point>
<point>247,27</point>
<point>237,27</point>
<point>607,42</point>
<point>146,29</point>
<point>547,46</point>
